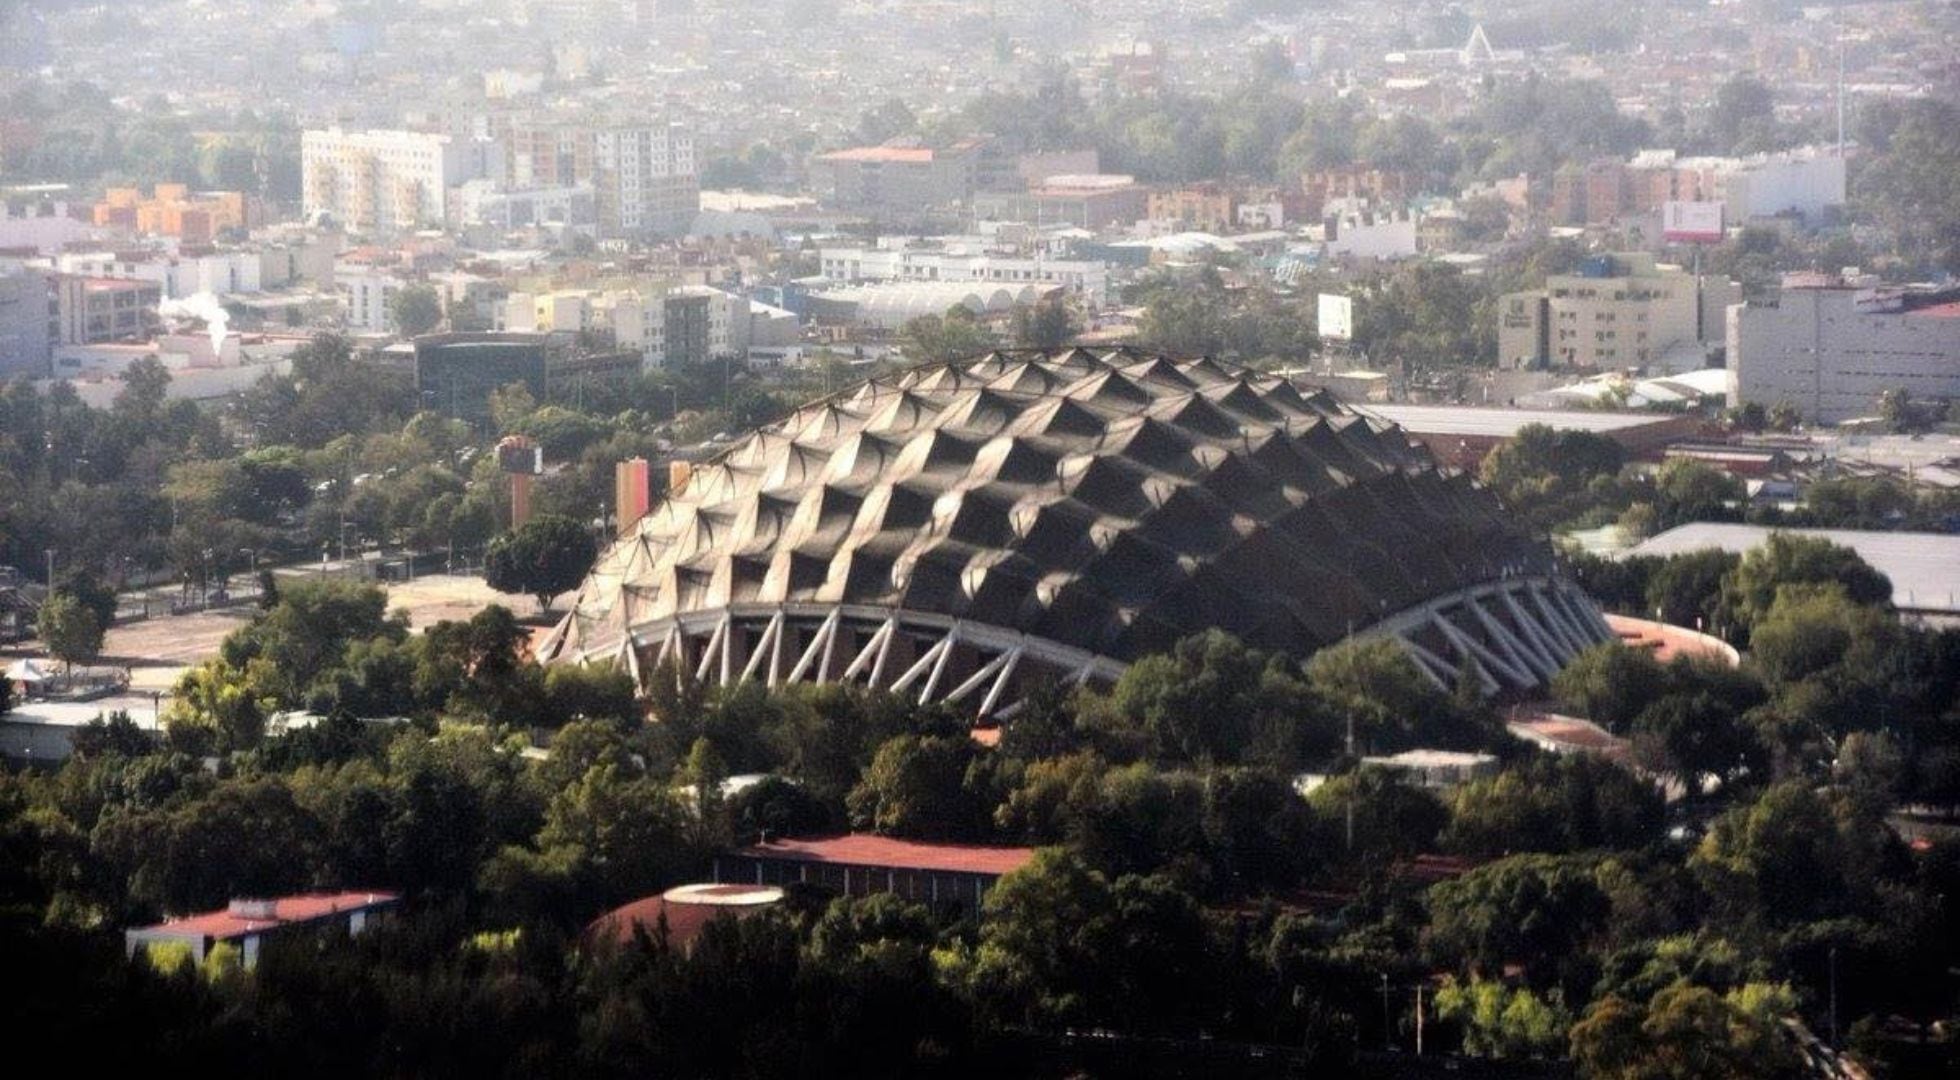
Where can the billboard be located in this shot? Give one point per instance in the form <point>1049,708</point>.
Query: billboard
<point>520,458</point>
<point>1691,222</point>
<point>1336,317</point>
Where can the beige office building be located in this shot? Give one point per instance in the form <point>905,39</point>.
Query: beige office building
<point>1618,311</point>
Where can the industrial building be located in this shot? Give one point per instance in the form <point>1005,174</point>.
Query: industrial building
<point>953,531</point>
<point>1924,568</point>
<point>1831,350</point>
<point>1461,436</point>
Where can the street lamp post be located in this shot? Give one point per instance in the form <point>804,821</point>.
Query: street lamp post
<point>50,554</point>
<point>1388,1023</point>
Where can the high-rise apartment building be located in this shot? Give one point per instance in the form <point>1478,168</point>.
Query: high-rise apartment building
<point>643,175</point>
<point>385,181</point>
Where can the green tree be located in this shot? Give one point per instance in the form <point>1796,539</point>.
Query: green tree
<point>1503,1022</point>
<point>1686,590</point>
<point>1389,819</point>
<point>69,629</point>
<point>1692,735</point>
<point>1045,324</point>
<point>544,557</point>
<point>415,309</point>
<point>1540,468</point>
<point>306,635</point>
<point>1790,559</point>
<point>1610,684</point>
<point>622,836</point>
<point>1687,490</point>
<point>1743,106</point>
<point>919,787</point>
<point>1687,1032</point>
<point>936,339</point>
<point>1793,855</point>
<point>1540,911</point>
<point>1554,804</point>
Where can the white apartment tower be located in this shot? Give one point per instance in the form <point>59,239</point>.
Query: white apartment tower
<point>643,174</point>
<point>379,181</point>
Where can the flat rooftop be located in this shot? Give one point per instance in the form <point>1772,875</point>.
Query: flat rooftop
<point>882,852</point>
<point>1504,423</point>
<point>1924,567</point>
<point>234,922</point>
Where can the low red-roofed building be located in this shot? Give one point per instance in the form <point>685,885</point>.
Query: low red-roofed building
<point>860,864</point>
<point>247,922</point>
<point>687,910</point>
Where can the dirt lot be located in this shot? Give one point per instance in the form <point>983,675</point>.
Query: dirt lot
<point>156,650</point>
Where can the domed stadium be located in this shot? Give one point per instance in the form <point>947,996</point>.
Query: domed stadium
<point>954,531</point>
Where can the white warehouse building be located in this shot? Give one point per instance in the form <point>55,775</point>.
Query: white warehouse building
<point>1831,351</point>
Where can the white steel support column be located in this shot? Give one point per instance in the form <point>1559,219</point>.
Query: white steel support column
<point>928,660</point>
<point>884,652</point>
<point>1427,662</point>
<point>870,652</point>
<point>1550,647</point>
<point>819,647</point>
<point>1000,682</point>
<point>1468,646</point>
<point>763,646</point>
<point>716,641</point>
<point>1519,653</point>
<point>1557,622</point>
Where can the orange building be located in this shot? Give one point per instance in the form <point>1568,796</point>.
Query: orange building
<point>174,210</point>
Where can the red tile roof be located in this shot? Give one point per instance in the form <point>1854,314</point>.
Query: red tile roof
<point>287,910</point>
<point>685,921</point>
<point>883,852</point>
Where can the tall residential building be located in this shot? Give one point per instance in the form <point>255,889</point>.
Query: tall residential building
<point>1831,350</point>
<point>1618,311</point>
<point>28,324</point>
<point>386,181</point>
<point>643,175</point>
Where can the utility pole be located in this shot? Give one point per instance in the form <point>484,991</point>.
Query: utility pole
<point>1834,1011</point>
<point>50,554</point>
<point>1353,778</point>
<point>1388,1024</point>
<point>1418,1019</point>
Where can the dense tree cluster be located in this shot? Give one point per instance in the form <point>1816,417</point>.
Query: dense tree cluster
<point>1185,889</point>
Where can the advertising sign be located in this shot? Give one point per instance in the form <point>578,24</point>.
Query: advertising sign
<point>1336,317</point>
<point>520,459</point>
<point>1692,223</point>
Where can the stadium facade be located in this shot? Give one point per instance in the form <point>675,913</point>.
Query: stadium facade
<point>953,531</point>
